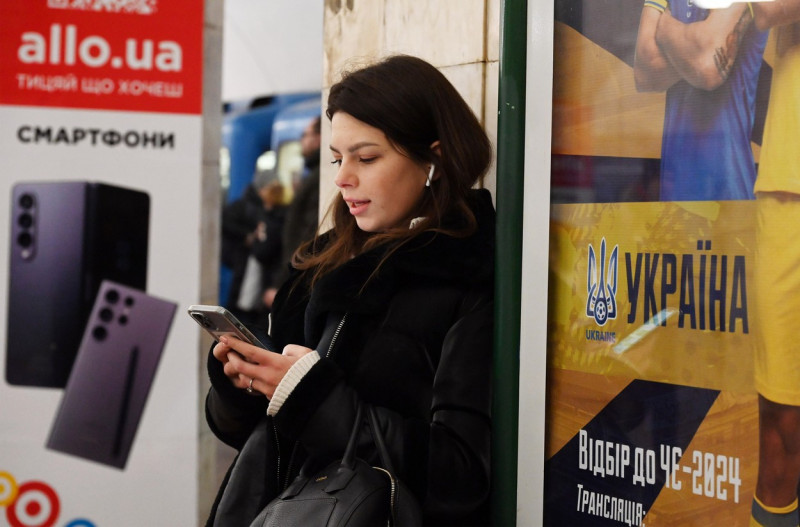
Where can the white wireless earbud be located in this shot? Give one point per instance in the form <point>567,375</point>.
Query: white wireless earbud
<point>430,176</point>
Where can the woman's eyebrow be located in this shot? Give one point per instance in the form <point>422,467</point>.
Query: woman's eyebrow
<point>355,147</point>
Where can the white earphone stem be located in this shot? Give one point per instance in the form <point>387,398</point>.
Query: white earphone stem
<point>430,176</point>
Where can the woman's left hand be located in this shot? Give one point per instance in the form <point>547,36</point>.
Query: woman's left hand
<point>257,368</point>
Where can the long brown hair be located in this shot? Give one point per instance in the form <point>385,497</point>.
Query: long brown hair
<point>414,105</point>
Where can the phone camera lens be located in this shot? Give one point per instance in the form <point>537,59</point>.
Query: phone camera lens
<point>106,314</point>
<point>25,220</point>
<point>112,296</point>
<point>99,333</point>
<point>25,239</point>
<point>123,320</point>
<point>129,301</point>
<point>201,319</point>
<point>26,201</point>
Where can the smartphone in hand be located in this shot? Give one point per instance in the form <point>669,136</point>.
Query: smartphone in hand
<point>218,321</point>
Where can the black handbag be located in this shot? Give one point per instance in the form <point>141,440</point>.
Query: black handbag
<point>348,492</point>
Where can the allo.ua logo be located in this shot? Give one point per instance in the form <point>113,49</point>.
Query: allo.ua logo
<point>601,301</point>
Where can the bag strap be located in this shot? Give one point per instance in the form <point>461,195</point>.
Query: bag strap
<point>333,326</point>
<point>348,460</point>
<point>377,436</point>
<point>350,451</point>
<point>386,460</point>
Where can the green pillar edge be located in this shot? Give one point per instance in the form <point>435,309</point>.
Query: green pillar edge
<point>508,273</point>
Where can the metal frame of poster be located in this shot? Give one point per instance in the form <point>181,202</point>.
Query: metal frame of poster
<point>523,203</point>
<point>101,136</point>
<point>669,363</point>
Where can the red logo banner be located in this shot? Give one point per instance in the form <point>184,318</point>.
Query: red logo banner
<point>136,55</point>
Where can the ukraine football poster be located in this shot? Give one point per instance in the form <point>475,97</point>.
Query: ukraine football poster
<point>655,316</point>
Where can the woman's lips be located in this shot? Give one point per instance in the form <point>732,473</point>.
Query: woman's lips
<point>357,206</point>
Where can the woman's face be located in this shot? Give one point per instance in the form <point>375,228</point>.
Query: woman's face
<point>380,185</point>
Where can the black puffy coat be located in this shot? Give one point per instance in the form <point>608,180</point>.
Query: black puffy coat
<point>416,343</point>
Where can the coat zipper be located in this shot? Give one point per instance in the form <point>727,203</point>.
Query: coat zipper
<point>335,336</point>
<point>278,448</point>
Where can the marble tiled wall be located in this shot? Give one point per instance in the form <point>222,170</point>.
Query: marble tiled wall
<point>460,37</point>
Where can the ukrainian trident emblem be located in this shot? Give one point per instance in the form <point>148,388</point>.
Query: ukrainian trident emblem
<point>601,302</point>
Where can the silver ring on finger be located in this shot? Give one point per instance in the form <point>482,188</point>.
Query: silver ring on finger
<point>249,388</point>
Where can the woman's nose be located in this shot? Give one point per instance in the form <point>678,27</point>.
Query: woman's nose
<point>344,176</point>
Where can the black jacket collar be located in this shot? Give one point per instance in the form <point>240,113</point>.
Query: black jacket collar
<point>428,258</point>
<point>431,258</point>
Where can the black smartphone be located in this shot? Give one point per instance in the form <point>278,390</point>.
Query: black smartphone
<point>106,393</point>
<point>66,238</point>
<point>218,321</point>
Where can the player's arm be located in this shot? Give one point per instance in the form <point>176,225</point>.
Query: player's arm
<point>651,70</point>
<point>704,52</point>
<point>775,13</point>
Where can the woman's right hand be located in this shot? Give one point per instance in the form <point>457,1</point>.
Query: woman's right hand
<point>222,353</point>
<point>255,369</point>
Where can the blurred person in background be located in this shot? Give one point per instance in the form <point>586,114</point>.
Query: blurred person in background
<point>268,246</point>
<point>302,217</point>
<point>244,228</point>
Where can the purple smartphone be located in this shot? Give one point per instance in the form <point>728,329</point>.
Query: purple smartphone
<point>106,393</point>
<point>66,238</point>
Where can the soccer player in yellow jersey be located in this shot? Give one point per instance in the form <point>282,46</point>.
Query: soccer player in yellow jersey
<point>777,277</point>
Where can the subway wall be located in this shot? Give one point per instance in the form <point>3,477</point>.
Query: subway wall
<point>460,37</point>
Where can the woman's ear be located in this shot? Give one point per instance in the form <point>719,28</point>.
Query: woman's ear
<point>436,146</point>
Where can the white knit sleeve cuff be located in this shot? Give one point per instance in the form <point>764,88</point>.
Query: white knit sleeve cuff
<point>291,380</point>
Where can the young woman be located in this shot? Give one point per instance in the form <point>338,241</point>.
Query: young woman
<point>407,272</point>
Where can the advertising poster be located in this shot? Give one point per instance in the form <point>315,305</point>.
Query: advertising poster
<point>100,141</point>
<point>671,301</point>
